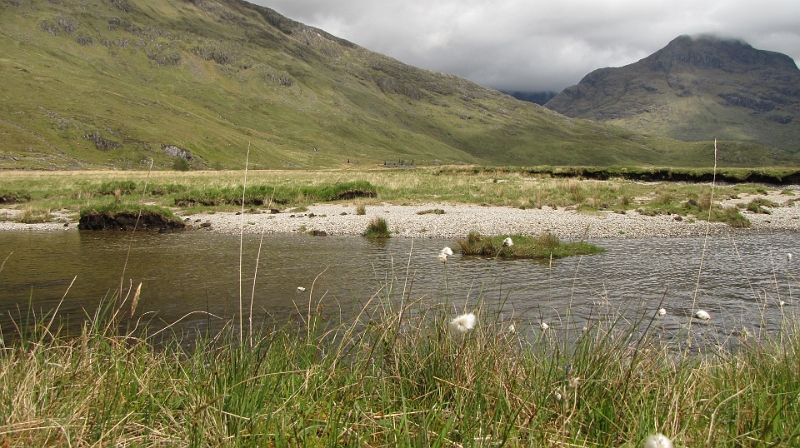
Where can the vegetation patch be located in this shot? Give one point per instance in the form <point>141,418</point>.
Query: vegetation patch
<point>433,211</point>
<point>123,186</point>
<point>257,195</point>
<point>777,176</point>
<point>757,206</point>
<point>730,216</point>
<point>13,197</point>
<point>127,218</point>
<point>33,215</point>
<point>378,228</point>
<point>544,246</point>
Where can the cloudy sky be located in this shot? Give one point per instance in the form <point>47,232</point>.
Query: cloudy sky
<point>535,46</point>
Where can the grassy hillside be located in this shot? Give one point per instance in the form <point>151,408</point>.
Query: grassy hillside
<point>694,89</point>
<point>116,83</point>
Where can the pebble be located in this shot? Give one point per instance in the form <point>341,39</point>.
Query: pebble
<point>460,219</point>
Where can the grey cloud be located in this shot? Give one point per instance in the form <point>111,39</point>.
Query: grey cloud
<point>520,45</point>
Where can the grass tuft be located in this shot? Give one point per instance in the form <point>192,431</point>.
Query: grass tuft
<point>377,228</point>
<point>544,246</point>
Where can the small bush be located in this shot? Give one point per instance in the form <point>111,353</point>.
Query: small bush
<point>377,228</point>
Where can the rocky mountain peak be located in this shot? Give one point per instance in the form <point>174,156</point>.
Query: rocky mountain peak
<point>694,88</point>
<point>710,52</point>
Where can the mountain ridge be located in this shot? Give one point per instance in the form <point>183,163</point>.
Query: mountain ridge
<point>693,89</point>
<point>117,83</point>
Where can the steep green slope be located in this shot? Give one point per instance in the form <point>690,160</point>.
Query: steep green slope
<point>120,82</point>
<point>696,89</point>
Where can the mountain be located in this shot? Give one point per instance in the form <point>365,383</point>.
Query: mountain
<point>696,88</point>
<point>116,83</point>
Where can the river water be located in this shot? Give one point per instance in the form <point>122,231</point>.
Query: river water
<point>742,283</point>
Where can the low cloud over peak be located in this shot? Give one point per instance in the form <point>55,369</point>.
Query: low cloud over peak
<point>520,46</point>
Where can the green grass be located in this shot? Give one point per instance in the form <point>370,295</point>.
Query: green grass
<point>393,375</point>
<point>218,79</point>
<point>196,191</point>
<point>377,228</point>
<point>262,195</point>
<point>543,247</point>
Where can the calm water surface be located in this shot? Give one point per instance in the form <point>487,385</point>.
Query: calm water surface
<point>199,271</point>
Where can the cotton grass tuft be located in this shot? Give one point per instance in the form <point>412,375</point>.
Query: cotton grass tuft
<point>463,323</point>
<point>658,441</point>
<point>702,315</point>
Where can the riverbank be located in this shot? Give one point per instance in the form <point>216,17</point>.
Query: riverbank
<point>419,221</point>
<point>436,220</point>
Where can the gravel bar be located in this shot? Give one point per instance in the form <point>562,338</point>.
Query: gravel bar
<point>459,219</point>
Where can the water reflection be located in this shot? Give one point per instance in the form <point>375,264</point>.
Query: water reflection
<point>742,281</point>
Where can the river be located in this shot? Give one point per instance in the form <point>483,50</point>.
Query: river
<point>194,277</point>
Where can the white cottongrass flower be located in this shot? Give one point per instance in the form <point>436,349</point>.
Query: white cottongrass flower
<point>544,326</point>
<point>662,312</point>
<point>658,441</point>
<point>443,257</point>
<point>702,315</point>
<point>585,329</point>
<point>463,323</point>
<point>781,303</point>
<point>508,242</point>
<point>557,395</point>
<point>447,251</point>
<point>789,256</point>
<point>512,329</point>
<point>301,289</point>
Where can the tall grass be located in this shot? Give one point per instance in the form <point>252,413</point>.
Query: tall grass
<point>377,228</point>
<point>393,375</point>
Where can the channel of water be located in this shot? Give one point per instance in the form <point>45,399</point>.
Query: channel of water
<point>743,281</point>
